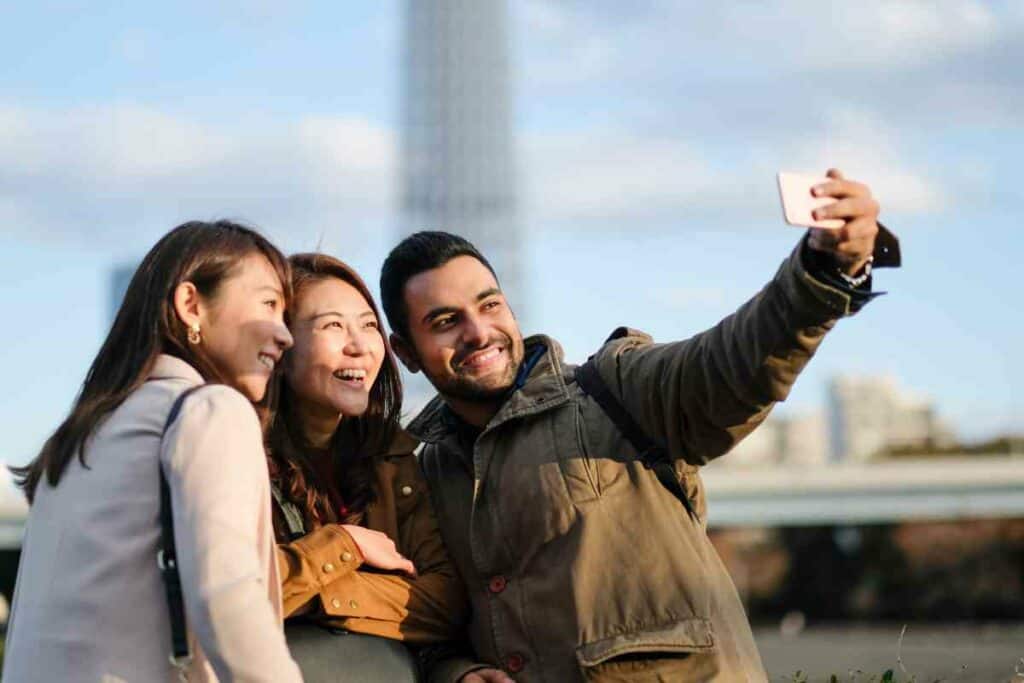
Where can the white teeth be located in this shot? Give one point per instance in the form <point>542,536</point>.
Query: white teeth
<point>483,357</point>
<point>350,373</point>
<point>267,361</point>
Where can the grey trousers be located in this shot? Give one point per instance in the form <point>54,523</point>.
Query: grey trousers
<point>327,656</point>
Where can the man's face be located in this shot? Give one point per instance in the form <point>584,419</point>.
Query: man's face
<point>463,334</point>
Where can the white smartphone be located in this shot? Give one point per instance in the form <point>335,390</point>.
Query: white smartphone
<point>798,202</point>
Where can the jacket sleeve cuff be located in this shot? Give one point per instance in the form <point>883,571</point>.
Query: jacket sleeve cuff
<point>326,554</point>
<point>817,271</point>
<point>822,268</point>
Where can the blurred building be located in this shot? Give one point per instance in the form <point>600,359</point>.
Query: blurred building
<point>761,447</point>
<point>805,439</point>
<point>870,414</point>
<point>457,151</point>
<point>794,439</point>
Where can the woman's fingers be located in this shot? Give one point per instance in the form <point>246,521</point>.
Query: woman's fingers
<point>379,550</point>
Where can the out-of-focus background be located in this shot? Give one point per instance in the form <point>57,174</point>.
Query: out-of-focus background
<point>617,161</point>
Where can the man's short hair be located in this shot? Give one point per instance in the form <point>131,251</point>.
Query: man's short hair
<point>417,253</point>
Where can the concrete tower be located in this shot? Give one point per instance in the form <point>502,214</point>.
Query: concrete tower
<point>458,161</point>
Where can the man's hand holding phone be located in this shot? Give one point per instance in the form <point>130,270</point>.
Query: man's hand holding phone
<point>853,212</point>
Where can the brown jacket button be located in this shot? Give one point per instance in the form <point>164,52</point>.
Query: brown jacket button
<point>515,663</point>
<point>497,584</point>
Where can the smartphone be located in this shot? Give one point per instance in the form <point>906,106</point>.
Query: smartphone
<point>798,202</point>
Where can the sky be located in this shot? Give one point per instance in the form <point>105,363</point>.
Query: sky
<point>648,137</point>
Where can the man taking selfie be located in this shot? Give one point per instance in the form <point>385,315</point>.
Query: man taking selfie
<point>569,497</point>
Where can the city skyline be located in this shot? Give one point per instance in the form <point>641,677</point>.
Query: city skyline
<point>863,419</point>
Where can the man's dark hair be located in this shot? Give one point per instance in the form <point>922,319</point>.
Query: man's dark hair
<point>415,254</point>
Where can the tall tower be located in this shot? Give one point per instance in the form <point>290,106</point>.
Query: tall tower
<point>458,161</point>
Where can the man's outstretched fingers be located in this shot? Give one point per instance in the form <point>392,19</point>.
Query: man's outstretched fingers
<point>843,208</point>
<point>840,189</point>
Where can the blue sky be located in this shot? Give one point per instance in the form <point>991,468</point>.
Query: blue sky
<point>648,136</point>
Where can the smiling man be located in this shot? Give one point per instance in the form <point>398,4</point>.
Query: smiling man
<point>569,497</point>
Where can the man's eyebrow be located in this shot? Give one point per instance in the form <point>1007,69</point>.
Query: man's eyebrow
<point>441,310</point>
<point>487,293</point>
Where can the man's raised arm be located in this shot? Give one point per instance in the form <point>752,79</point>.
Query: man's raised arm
<point>700,396</point>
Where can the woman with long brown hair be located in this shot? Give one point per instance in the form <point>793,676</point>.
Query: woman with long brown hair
<point>359,544</point>
<point>149,530</point>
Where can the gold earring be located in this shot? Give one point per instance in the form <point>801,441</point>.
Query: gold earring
<point>193,334</point>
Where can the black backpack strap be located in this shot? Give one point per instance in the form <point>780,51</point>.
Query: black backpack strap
<point>167,558</point>
<point>653,456</point>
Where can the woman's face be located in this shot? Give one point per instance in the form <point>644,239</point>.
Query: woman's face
<point>339,348</point>
<point>242,327</point>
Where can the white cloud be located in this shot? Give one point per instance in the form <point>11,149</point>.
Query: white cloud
<point>581,41</point>
<point>866,149</point>
<point>868,34</point>
<point>120,174</point>
<point>606,174</point>
<point>623,178</point>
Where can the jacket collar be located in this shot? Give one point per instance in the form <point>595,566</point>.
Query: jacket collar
<point>402,444</point>
<point>167,366</point>
<point>544,387</point>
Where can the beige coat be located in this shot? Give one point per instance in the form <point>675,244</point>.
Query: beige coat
<point>580,565</point>
<point>89,603</point>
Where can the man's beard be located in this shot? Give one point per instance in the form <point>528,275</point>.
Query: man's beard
<point>468,389</point>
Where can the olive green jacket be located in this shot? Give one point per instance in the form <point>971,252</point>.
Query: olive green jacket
<point>580,564</point>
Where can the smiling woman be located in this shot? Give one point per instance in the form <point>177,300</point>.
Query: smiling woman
<point>359,546</point>
<point>136,468</point>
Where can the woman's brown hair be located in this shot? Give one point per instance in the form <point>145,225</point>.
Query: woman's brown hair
<point>147,325</point>
<point>357,440</point>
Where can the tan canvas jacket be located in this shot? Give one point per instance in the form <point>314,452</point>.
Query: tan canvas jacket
<point>326,566</point>
<point>580,565</point>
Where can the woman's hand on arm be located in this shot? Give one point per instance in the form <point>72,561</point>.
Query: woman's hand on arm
<point>379,550</point>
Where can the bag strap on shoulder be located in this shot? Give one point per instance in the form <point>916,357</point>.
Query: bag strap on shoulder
<point>653,456</point>
<point>167,558</point>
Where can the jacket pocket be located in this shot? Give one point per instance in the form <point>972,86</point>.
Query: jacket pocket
<point>685,648</point>
<point>684,636</point>
<point>575,464</point>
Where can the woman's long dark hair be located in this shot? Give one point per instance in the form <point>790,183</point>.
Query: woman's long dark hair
<point>147,325</point>
<point>356,442</point>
